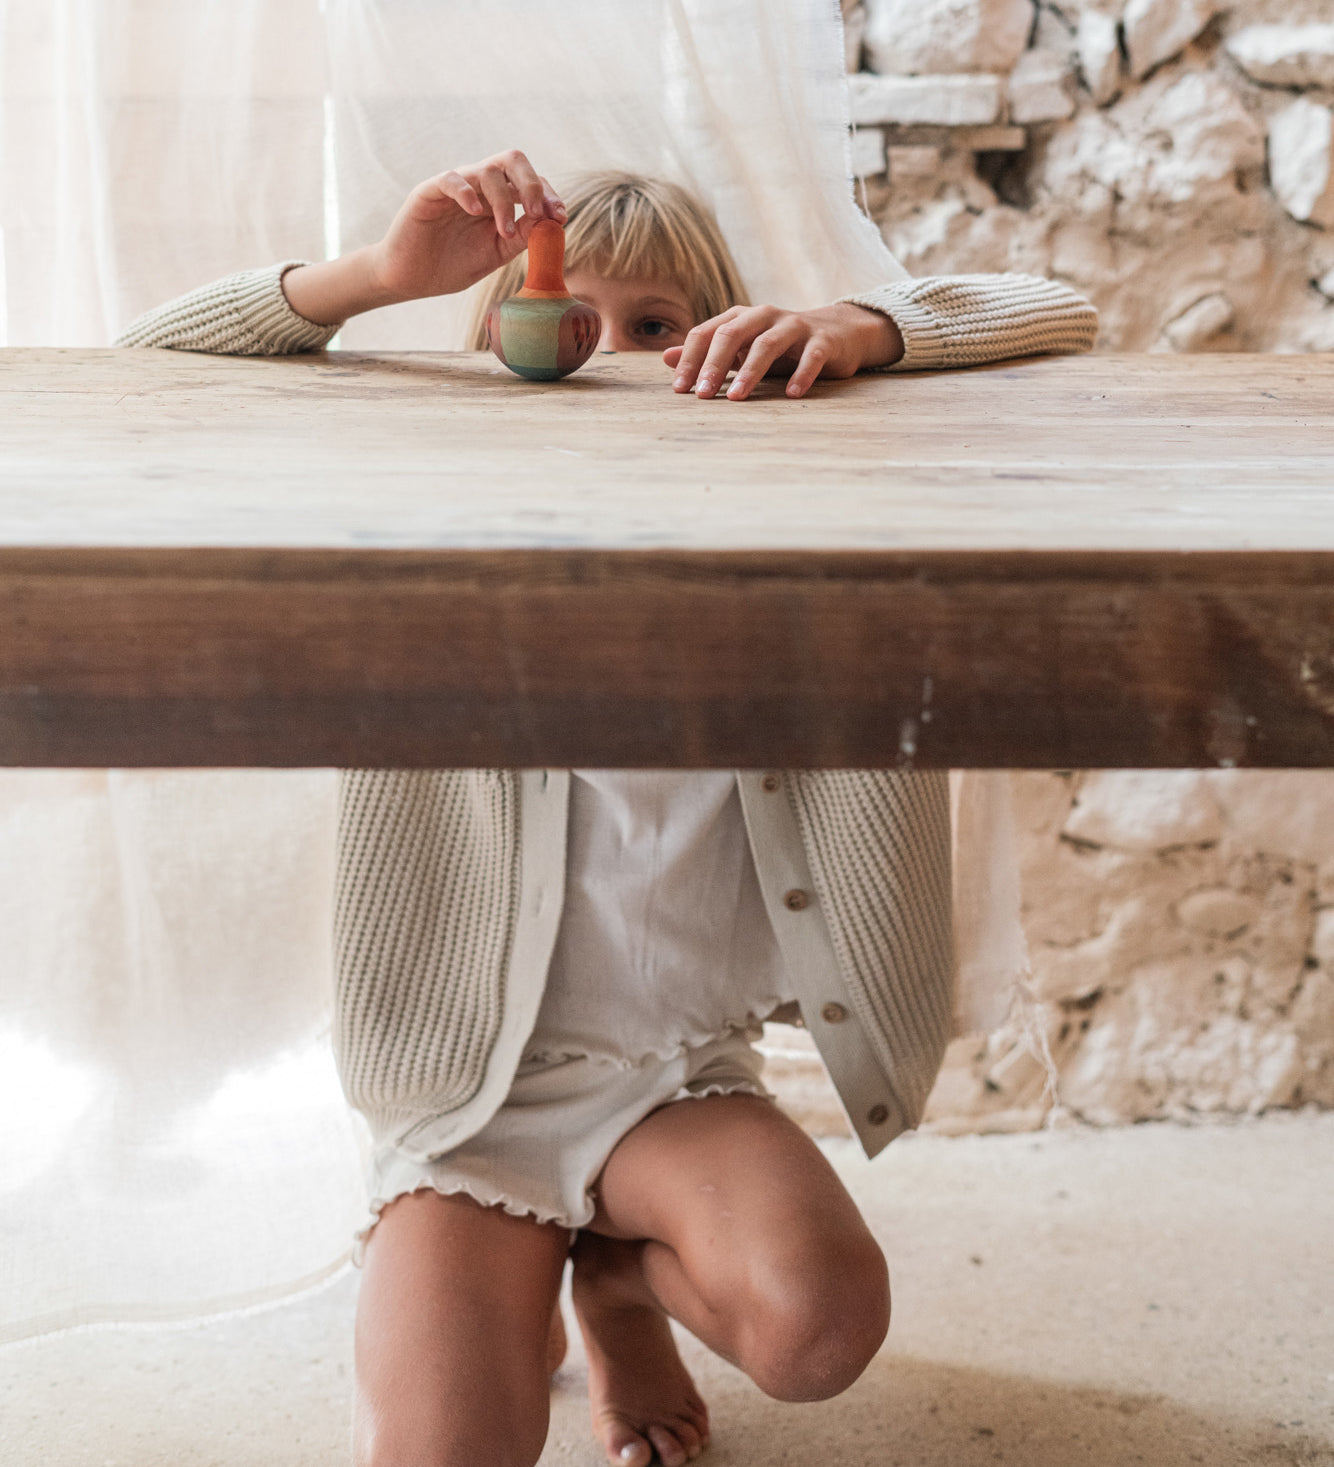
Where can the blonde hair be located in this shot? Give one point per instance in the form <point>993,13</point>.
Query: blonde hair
<point>627,227</point>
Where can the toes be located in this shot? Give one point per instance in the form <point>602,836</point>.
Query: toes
<point>626,1448</point>
<point>670,1451</point>
<point>688,1436</point>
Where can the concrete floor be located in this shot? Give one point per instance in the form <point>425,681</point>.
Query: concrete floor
<point>1076,1298</point>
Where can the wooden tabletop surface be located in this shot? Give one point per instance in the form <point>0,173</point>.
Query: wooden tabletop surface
<point>423,560</point>
<point>435,451</point>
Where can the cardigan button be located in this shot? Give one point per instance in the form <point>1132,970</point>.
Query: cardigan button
<point>770,783</point>
<point>796,900</point>
<point>833,1013</point>
<point>878,1115</point>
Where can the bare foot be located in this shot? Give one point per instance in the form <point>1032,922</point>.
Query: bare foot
<point>644,1404</point>
<point>557,1343</point>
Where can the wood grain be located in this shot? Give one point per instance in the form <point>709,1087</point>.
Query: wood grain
<point>660,658</point>
<point>390,561</point>
<point>426,452</point>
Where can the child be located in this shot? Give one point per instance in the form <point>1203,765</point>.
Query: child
<point>536,966</point>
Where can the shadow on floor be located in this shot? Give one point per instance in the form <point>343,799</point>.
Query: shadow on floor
<point>916,1413</point>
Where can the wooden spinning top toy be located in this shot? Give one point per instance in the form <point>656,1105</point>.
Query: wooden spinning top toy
<point>543,332</point>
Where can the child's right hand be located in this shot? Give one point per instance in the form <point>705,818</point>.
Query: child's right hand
<point>458,227</point>
<point>452,231</point>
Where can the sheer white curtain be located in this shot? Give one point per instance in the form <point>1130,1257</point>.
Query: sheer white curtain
<point>743,101</point>
<point>171,1134</point>
<point>148,145</point>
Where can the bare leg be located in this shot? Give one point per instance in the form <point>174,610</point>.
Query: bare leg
<point>640,1395</point>
<point>722,1213</point>
<point>454,1333</point>
<point>557,1342</point>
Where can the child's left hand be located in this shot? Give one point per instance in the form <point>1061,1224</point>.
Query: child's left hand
<point>830,341</point>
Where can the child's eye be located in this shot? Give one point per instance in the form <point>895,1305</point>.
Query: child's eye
<point>654,327</point>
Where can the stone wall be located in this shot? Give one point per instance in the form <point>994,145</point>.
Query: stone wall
<point>1180,928</point>
<point>1172,160</point>
<point>1181,932</point>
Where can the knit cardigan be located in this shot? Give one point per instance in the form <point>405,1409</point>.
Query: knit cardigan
<point>451,882</point>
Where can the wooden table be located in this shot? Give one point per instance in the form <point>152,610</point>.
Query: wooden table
<point>423,560</point>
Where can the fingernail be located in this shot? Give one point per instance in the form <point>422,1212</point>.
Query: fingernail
<point>681,383</point>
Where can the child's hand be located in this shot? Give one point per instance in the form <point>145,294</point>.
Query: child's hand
<point>831,341</point>
<point>452,231</point>
<point>458,227</point>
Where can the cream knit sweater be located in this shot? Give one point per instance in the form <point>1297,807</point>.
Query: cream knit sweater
<point>946,321</point>
<point>450,882</point>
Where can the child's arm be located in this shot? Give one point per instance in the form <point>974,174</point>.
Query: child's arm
<point>452,231</point>
<point>939,321</point>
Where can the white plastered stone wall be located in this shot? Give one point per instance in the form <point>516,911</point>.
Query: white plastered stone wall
<point>1156,154</point>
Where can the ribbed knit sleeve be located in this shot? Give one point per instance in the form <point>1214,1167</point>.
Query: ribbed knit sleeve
<point>244,315</point>
<point>963,320</point>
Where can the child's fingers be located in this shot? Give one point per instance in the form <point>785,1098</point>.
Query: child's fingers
<point>784,339</point>
<point>500,194</point>
<point>554,207</point>
<point>730,342</point>
<point>451,187</point>
<point>531,190</point>
<point>696,348</point>
<point>813,358</point>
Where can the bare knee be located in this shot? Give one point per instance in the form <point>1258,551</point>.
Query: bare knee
<point>815,1330</point>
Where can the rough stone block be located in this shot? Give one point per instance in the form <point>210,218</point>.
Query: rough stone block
<point>1176,140</point>
<point>1301,161</point>
<point>1285,55</point>
<point>1145,810</point>
<point>1157,30</point>
<point>1098,46</point>
<point>1286,813</point>
<point>1041,88</point>
<point>946,101</point>
<point>1082,252</point>
<point>998,138</point>
<point>913,162</point>
<point>1152,1055</point>
<point>1199,323</point>
<point>916,37</point>
<point>868,152</point>
<point>1219,911</point>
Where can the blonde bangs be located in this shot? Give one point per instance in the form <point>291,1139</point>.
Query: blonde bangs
<point>626,227</point>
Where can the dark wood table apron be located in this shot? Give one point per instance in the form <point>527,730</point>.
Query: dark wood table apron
<point>421,560</point>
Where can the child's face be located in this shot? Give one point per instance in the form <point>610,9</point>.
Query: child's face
<point>637,315</point>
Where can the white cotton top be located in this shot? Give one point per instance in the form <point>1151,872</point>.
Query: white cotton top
<point>664,941</point>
